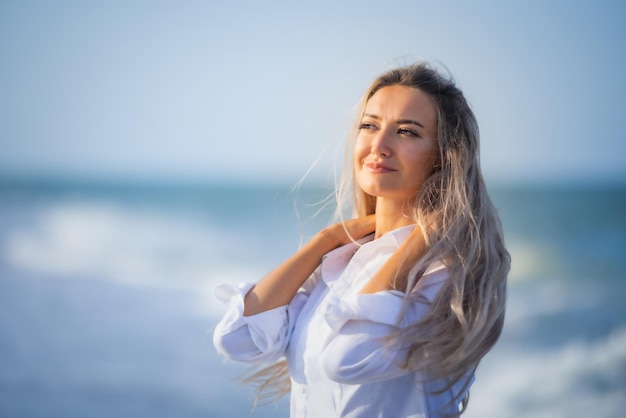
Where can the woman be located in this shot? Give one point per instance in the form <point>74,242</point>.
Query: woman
<point>387,314</point>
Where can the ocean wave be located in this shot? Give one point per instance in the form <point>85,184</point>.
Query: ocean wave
<point>579,379</point>
<point>132,246</point>
<point>530,259</point>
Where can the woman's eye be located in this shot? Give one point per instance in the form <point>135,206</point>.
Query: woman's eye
<point>408,132</point>
<point>366,125</point>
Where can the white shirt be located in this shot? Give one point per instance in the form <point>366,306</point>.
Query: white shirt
<point>333,338</point>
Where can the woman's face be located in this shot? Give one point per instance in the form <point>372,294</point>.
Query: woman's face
<point>396,147</point>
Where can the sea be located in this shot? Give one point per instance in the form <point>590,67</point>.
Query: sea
<point>107,310</point>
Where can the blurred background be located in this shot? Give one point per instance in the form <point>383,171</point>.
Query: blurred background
<point>150,150</point>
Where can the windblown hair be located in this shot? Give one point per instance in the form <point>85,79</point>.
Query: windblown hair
<point>461,228</point>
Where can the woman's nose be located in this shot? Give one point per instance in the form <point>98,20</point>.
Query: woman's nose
<point>380,143</point>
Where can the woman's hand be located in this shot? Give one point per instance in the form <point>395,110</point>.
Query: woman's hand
<point>393,275</point>
<point>279,286</point>
<point>343,233</point>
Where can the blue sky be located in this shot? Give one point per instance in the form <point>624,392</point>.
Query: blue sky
<point>245,90</point>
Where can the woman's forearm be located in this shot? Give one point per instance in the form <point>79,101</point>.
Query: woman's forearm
<point>279,286</point>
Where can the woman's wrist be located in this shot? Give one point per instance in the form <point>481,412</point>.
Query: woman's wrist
<point>329,238</point>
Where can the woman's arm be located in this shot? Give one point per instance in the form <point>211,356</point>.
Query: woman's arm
<point>360,350</point>
<point>393,275</point>
<point>279,286</point>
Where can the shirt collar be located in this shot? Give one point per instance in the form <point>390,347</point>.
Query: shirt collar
<point>398,235</point>
<point>335,261</point>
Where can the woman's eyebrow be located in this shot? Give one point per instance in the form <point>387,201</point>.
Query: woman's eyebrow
<point>399,121</point>
<point>410,122</point>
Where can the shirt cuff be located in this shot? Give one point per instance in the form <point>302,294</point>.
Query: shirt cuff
<point>266,328</point>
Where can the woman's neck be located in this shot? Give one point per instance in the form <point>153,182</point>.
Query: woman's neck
<point>390,215</point>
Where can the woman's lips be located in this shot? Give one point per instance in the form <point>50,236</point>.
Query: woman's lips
<point>379,168</point>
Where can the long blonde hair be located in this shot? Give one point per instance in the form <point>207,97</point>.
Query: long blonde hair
<point>461,228</point>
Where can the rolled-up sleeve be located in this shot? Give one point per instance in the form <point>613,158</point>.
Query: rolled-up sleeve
<point>256,338</point>
<point>358,350</point>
